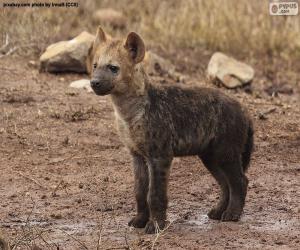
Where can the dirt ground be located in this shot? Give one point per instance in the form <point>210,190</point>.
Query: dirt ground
<point>67,182</point>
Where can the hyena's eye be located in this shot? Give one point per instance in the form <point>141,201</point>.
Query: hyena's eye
<point>95,65</point>
<point>113,69</point>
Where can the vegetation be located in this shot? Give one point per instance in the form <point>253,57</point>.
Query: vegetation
<point>230,26</point>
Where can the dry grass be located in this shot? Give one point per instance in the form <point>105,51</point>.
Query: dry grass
<point>235,26</point>
<point>231,26</point>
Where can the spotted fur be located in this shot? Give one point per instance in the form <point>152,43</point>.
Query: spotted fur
<point>159,122</point>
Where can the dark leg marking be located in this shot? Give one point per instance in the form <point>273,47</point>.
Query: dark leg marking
<point>157,196</point>
<point>141,184</point>
<point>238,183</point>
<point>216,212</point>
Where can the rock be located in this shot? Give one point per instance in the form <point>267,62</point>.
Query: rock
<point>67,56</point>
<point>229,71</point>
<point>81,84</point>
<point>33,64</point>
<point>155,64</point>
<point>56,216</point>
<point>110,17</point>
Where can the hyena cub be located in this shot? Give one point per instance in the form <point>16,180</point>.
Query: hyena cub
<point>157,123</point>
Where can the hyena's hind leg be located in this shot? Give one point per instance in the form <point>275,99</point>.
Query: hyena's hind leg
<point>238,184</point>
<point>141,186</point>
<point>216,212</point>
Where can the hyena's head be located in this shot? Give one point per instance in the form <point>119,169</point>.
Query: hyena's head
<point>114,62</point>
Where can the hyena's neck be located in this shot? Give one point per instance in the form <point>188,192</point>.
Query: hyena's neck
<point>130,106</point>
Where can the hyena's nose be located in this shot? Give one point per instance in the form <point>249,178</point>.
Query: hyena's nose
<point>95,83</point>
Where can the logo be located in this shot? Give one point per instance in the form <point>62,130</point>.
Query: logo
<point>274,9</point>
<point>283,7</point>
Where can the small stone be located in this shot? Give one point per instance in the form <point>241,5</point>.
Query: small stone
<point>155,64</point>
<point>81,84</point>
<point>56,216</point>
<point>67,56</point>
<point>230,72</point>
<point>262,116</point>
<point>278,242</point>
<point>65,141</point>
<point>33,64</point>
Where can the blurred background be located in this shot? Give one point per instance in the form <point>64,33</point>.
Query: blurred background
<point>242,28</point>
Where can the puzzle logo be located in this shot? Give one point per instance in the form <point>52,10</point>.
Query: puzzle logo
<point>283,7</point>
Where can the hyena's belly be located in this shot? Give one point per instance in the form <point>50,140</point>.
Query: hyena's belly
<point>192,142</point>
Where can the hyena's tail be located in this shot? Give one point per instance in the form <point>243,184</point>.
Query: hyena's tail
<point>248,148</point>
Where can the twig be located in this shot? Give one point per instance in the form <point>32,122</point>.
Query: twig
<point>40,234</point>
<point>6,38</point>
<point>56,188</point>
<point>100,228</point>
<point>29,237</point>
<point>158,233</point>
<point>31,212</point>
<point>15,245</point>
<point>263,115</point>
<point>30,179</point>
<point>62,160</point>
<point>29,232</point>
<point>7,69</point>
<point>12,50</point>
<point>3,49</point>
<point>81,243</point>
<point>270,111</point>
<point>126,240</point>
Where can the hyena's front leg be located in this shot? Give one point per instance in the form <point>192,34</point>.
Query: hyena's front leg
<point>157,195</point>
<point>141,185</point>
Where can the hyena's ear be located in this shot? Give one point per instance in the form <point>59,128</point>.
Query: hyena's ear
<point>100,37</point>
<point>135,47</point>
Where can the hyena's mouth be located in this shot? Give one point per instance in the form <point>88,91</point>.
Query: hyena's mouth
<point>102,88</point>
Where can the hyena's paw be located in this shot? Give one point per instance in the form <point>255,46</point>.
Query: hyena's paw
<point>231,216</point>
<point>139,221</point>
<point>154,226</point>
<point>215,213</point>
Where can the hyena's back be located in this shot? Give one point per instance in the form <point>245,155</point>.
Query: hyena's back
<point>197,121</point>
